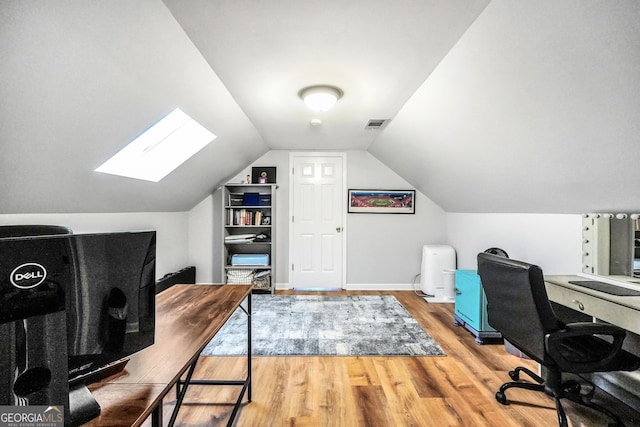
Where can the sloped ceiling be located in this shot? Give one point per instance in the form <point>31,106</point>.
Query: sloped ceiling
<point>79,81</point>
<point>377,51</point>
<point>507,106</point>
<point>535,109</point>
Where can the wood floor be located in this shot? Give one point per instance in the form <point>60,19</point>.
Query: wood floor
<point>456,390</point>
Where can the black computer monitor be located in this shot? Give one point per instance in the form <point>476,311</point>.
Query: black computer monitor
<point>104,283</point>
<point>111,307</point>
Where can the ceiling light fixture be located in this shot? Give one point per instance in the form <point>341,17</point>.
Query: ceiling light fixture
<point>320,97</point>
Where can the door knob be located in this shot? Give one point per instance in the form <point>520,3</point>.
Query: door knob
<point>338,229</point>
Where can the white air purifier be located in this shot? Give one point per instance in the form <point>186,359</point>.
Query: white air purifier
<point>437,275</point>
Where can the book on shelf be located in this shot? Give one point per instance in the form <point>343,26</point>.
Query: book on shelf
<point>243,217</point>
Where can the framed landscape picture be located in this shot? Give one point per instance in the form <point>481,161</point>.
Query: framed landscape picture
<point>382,201</point>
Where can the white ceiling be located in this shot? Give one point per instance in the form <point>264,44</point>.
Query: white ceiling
<point>507,106</point>
<point>378,52</point>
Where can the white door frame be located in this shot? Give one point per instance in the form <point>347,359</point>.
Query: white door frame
<point>343,156</point>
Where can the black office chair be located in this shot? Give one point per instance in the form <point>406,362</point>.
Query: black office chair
<point>518,307</point>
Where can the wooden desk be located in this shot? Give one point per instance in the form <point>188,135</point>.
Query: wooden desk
<point>187,318</point>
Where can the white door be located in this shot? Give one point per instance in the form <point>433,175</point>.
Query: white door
<point>317,220</point>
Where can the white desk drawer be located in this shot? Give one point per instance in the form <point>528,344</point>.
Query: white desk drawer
<point>625,317</point>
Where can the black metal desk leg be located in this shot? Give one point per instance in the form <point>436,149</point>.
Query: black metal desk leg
<point>156,416</point>
<point>183,391</point>
<point>249,353</point>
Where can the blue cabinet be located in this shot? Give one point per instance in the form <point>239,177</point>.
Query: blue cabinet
<point>471,306</point>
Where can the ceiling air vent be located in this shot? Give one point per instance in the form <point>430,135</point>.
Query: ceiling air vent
<point>376,123</point>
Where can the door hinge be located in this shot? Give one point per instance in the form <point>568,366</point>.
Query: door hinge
<point>291,218</point>
<point>292,169</point>
<point>291,267</point>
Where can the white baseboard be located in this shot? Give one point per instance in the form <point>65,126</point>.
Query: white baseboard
<point>379,287</point>
<point>440,300</point>
<point>363,286</point>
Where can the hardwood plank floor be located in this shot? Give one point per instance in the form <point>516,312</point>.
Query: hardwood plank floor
<point>456,390</point>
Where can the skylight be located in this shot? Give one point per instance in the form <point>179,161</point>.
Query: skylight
<point>160,149</point>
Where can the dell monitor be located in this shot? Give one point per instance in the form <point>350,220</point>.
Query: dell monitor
<point>72,309</point>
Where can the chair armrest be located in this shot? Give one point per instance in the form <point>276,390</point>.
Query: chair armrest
<point>585,328</point>
<point>579,346</point>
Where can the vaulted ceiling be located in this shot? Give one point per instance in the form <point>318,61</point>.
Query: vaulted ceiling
<point>501,106</point>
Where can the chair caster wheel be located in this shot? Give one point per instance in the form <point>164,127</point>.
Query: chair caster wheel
<point>515,376</point>
<point>500,397</point>
<point>572,387</point>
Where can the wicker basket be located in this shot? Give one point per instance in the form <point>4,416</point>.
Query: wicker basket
<point>240,276</point>
<point>263,283</point>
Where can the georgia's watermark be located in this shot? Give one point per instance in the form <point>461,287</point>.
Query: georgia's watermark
<point>32,416</point>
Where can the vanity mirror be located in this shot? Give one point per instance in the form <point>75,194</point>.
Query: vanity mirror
<point>611,252</point>
<point>611,244</point>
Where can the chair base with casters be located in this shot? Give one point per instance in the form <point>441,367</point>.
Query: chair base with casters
<point>554,387</point>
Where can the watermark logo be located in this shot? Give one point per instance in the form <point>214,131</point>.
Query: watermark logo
<point>32,416</point>
<point>28,275</point>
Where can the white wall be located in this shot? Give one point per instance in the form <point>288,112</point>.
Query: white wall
<point>387,258</point>
<point>552,241</point>
<point>383,251</point>
<point>171,230</point>
<point>201,240</point>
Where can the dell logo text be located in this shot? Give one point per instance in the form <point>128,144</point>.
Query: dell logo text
<point>28,275</point>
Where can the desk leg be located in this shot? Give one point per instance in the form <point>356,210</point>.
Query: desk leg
<point>156,416</point>
<point>249,352</point>
<point>246,383</point>
<point>183,391</point>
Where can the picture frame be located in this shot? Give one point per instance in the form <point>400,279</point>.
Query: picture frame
<point>382,201</point>
<point>263,175</point>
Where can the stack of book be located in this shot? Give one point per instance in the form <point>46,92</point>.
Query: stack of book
<point>243,217</point>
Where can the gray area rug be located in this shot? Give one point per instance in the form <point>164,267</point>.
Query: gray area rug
<point>320,325</point>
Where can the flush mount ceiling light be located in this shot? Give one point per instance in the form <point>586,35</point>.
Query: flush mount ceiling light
<point>160,149</point>
<point>320,97</point>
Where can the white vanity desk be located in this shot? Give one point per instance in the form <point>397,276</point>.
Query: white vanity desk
<point>622,311</point>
